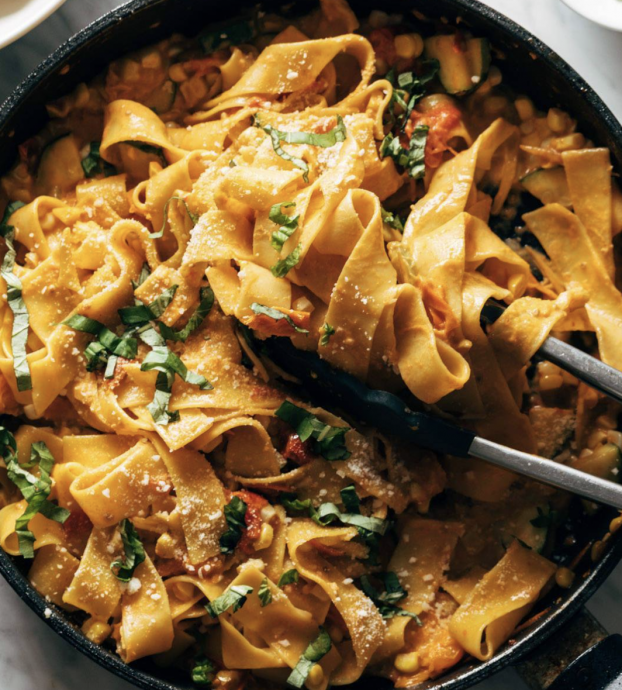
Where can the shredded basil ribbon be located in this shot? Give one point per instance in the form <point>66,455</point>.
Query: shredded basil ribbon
<point>235,512</point>
<point>288,224</point>
<point>408,89</point>
<point>150,150</point>
<point>411,159</point>
<point>392,220</point>
<point>316,650</point>
<point>233,598</point>
<point>93,164</point>
<point>264,593</point>
<point>351,501</point>
<point>282,267</point>
<point>328,332</point>
<point>276,315</point>
<point>386,601</point>
<point>193,217</point>
<point>34,489</point>
<point>205,306</point>
<point>140,314</point>
<point>326,140</point>
<point>203,672</point>
<point>21,319</point>
<point>289,577</point>
<point>134,552</point>
<point>328,441</point>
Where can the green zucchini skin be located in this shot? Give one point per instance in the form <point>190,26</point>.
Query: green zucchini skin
<point>461,72</point>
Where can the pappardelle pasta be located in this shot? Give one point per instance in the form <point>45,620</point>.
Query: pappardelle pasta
<point>364,187</point>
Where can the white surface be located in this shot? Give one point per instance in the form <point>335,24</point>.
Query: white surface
<point>604,12</point>
<point>31,656</point>
<point>17,17</point>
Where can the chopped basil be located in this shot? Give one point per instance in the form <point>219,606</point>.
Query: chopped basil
<point>34,489</point>
<point>289,577</point>
<point>158,407</point>
<point>205,305</point>
<point>232,35</point>
<point>264,593</point>
<point>140,314</point>
<point>408,89</point>
<point>288,224</point>
<point>203,671</point>
<point>235,512</point>
<point>411,159</point>
<point>350,499</point>
<point>316,650</point>
<point>392,220</point>
<point>386,601</point>
<point>144,274</point>
<point>284,266</point>
<point>326,140</point>
<point>15,299</point>
<point>328,441</point>
<point>93,164</point>
<point>107,343</point>
<point>276,315</point>
<point>193,216</point>
<point>329,512</point>
<point>150,150</point>
<point>233,598</point>
<point>134,552</point>
<point>111,365</point>
<point>329,331</point>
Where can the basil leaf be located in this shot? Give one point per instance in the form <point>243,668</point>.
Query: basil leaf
<point>328,441</point>
<point>312,654</point>
<point>193,217</point>
<point>21,318</point>
<point>350,499</point>
<point>392,220</point>
<point>411,159</point>
<point>295,505</point>
<point>284,266</point>
<point>232,35</point>
<point>203,672</point>
<point>111,365</point>
<point>264,593</point>
<point>34,489</point>
<point>150,150</point>
<point>93,164</point>
<point>235,512</point>
<point>107,342</point>
<point>326,140</point>
<point>329,512</point>
<point>205,306</point>
<point>134,552</point>
<point>329,331</point>
<point>150,336</point>
<point>158,407</point>
<point>276,315</point>
<point>233,598</point>
<point>289,577</point>
<point>408,89</point>
<point>386,600</point>
<point>288,224</point>
<point>140,314</point>
<point>144,274</point>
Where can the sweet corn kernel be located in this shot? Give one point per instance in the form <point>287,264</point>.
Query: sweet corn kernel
<point>549,383</point>
<point>265,537</point>
<point>408,46</point>
<point>407,663</point>
<point>548,368</point>
<point>524,108</point>
<point>564,577</point>
<point>130,70</point>
<point>177,73</point>
<point>96,631</point>
<point>570,142</point>
<point>316,675</point>
<point>557,120</point>
<point>615,524</point>
<point>152,60</point>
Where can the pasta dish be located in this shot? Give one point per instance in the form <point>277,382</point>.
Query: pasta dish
<point>366,187</point>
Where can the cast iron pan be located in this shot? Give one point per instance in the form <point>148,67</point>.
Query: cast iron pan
<point>531,68</point>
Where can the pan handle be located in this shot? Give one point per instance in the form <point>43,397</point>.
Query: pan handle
<point>580,656</point>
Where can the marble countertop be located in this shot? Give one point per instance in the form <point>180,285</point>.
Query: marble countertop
<point>31,655</point>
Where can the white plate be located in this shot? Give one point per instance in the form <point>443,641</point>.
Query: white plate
<point>607,13</point>
<point>18,17</point>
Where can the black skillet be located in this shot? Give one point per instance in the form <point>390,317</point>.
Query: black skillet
<point>531,68</point>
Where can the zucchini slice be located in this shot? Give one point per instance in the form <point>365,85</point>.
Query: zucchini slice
<point>549,185</point>
<point>463,64</point>
<point>161,99</point>
<point>531,527</point>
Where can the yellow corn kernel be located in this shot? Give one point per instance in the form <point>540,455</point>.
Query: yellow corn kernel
<point>130,70</point>
<point>177,73</point>
<point>524,108</point>
<point>152,60</point>
<point>265,537</point>
<point>549,383</point>
<point>408,45</point>
<point>557,120</point>
<point>548,369</point>
<point>564,577</point>
<point>165,546</point>
<point>407,663</point>
<point>615,524</point>
<point>97,631</point>
<point>316,675</point>
<point>570,142</point>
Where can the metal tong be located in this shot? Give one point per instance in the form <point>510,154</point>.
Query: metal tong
<point>388,413</point>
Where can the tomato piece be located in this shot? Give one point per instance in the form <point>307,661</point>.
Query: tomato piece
<point>252,518</point>
<point>441,120</point>
<point>77,525</point>
<point>384,45</point>
<point>298,451</point>
<point>279,327</point>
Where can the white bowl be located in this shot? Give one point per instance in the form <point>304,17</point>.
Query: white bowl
<point>18,17</point>
<point>607,13</point>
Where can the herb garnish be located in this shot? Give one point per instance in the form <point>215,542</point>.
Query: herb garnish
<point>412,159</point>
<point>282,267</point>
<point>206,302</point>
<point>233,598</point>
<point>276,315</point>
<point>193,216</point>
<point>328,332</point>
<point>150,150</point>
<point>15,299</point>
<point>350,499</point>
<point>93,164</point>
<point>289,577</point>
<point>34,489</point>
<point>288,224</point>
<point>312,654</point>
<point>203,672</point>
<point>408,89</point>
<point>134,552</point>
<point>386,601</point>
<point>235,512</point>
<point>264,593</point>
<point>392,220</point>
<point>328,441</point>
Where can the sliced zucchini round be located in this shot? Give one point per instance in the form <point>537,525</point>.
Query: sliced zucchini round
<point>463,64</point>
